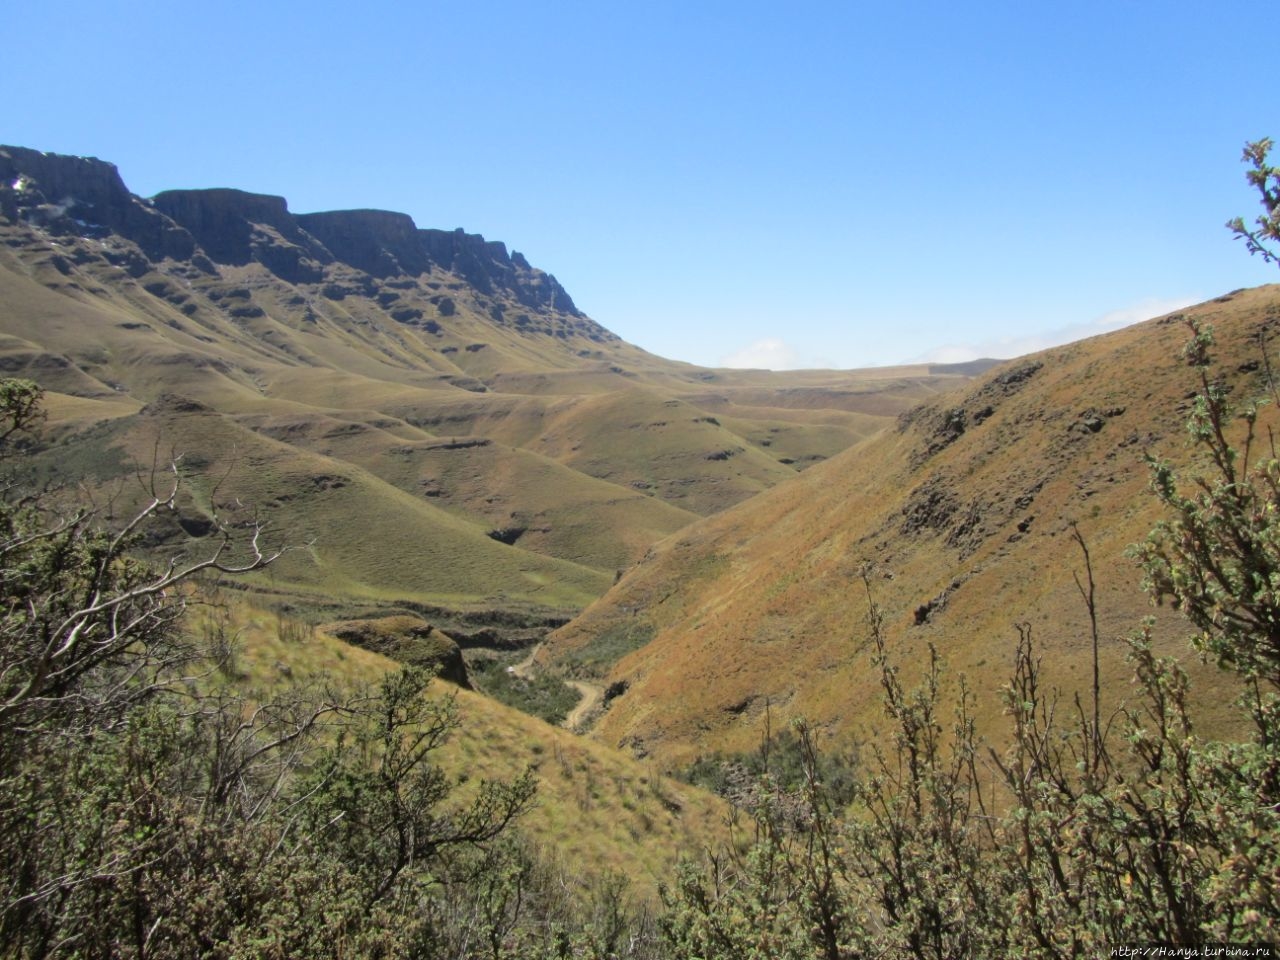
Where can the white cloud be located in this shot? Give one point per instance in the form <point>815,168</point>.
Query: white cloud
<point>1005,347</point>
<point>767,354</point>
<point>1143,310</point>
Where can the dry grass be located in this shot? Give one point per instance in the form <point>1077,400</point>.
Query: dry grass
<point>387,451</point>
<point>980,529</point>
<point>598,810</point>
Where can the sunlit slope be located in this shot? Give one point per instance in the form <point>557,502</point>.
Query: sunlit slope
<point>521,497</point>
<point>348,533</point>
<point>962,515</point>
<point>591,465</point>
<point>90,346</point>
<point>355,369</point>
<point>598,810</point>
<point>709,447</point>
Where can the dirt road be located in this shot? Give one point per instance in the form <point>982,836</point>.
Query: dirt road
<point>591,693</point>
<point>524,669</point>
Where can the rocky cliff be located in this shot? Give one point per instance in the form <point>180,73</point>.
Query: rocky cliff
<point>86,197</point>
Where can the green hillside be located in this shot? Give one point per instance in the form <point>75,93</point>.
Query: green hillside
<point>423,416</point>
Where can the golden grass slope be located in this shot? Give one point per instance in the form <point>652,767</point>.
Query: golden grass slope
<point>962,514</point>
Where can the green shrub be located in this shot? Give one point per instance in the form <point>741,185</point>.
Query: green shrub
<point>544,695</point>
<point>1082,834</point>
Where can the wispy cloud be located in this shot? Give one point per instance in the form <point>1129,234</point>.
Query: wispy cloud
<point>1144,310</point>
<point>1004,347</point>
<point>767,354</point>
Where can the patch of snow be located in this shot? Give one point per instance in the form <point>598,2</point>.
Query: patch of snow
<point>20,184</point>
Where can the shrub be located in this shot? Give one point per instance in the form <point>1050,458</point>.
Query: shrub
<point>1084,833</point>
<point>148,810</point>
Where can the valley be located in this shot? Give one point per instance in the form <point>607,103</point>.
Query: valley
<point>959,521</point>
<point>523,565</point>
<point>427,420</point>
<point>429,426</point>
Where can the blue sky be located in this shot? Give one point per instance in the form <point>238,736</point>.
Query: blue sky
<point>811,184</point>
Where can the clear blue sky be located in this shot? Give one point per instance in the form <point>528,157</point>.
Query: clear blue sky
<point>837,184</point>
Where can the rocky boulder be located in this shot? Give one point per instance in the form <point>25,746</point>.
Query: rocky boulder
<point>409,640</point>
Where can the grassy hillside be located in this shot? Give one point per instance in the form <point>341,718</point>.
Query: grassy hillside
<point>962,514</point>
<point>598,810</point>
<point>347,532</point>
<point>431,424</point>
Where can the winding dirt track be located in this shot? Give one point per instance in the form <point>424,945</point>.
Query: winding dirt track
<point>591,693</point>
<point>524,669</point>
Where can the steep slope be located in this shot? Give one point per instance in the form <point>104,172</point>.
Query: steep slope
<point>598,810</point>
<point>962,516</point>
<point>348,368</point>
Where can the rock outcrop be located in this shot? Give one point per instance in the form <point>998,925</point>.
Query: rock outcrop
<point>379,242</point>
<point>236,228</point>
<point>86,197</point>
<point>487,266</point>
<point>409,640</point>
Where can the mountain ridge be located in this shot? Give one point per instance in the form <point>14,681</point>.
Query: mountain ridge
<point>962,516</point>
<point>67,195</point>
<point>425,381</point>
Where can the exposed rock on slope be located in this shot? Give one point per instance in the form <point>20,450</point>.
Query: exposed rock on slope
<point>962,519</point>
<point>409,640</point>
<point>453,388</point>
<point>84,195</point>
<point>237,228</point>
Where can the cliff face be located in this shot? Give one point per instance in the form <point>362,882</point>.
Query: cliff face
<point>486,265</point>
<point>236,228</point>
<point>379,242</point>
<point>84,196</point>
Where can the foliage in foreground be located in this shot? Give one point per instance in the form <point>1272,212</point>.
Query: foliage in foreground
<point>1260,236</point>
<point>150,809</point>
<point>1089,831</point>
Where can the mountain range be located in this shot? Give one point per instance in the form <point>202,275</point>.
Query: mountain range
<point>424,417</point>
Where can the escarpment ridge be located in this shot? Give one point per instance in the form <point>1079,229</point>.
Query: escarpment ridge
<point>425,410</point>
